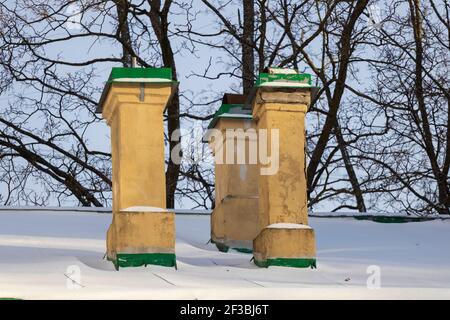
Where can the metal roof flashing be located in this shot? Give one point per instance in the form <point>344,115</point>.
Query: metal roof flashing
<point>231,111</point>
<point>284,79</point>
<point>281,80</point>
<point>232,107</point>
<point>136,75</point>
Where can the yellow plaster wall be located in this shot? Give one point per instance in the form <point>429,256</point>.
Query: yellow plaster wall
<point>236,191</point>
<point>145,232</point>
<point>137,146</point>
<point>283,195</point>
<point>137,134</point>
<point>284,243</point>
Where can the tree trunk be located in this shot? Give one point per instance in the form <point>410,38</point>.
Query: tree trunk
<point>248,59</point>
<point>160,24</point>
<point>346,51</point>
<point>441,179</point>
<point>124,31</point>
<point>349,167</point>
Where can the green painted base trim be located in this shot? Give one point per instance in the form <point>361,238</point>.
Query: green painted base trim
<point>243,250</point>
<point>124,260</point>
<point>288,262</point>
<point>387,219</point>
<point>224,248</point>
<point>220,246</point>
<point>10,299</point>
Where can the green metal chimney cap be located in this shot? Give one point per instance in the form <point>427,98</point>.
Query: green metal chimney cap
<point>135,75</point>
<point>231,111</point>
<point>233,106</point>
<point>140,75</point>
<point>292,80</point>
<point>284,78</point>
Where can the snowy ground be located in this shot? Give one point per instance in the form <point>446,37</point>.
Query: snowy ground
<point>39,248</point>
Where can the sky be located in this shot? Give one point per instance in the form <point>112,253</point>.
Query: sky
<point>188,63</point>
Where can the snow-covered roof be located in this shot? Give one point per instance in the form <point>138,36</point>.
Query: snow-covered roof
<point>41,251</point>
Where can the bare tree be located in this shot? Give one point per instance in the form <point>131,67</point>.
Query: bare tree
<point>377,135</point>
<point>289,47</point>
<point>60,102</point>
<point>410,95</point>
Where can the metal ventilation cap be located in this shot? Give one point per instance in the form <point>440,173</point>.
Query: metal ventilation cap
<point>284,78</point>
<point>135,75</point>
